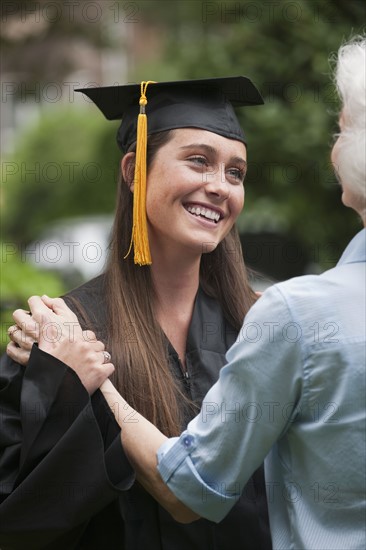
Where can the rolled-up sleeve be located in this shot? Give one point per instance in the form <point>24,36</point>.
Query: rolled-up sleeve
<point>243,414</point>
<point>176,468</point>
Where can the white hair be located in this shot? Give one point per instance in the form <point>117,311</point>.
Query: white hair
<point>350,76</point>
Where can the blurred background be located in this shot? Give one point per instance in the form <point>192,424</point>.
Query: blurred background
<point>59,159</point>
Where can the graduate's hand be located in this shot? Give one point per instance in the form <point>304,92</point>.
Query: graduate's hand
<point>59,334</point>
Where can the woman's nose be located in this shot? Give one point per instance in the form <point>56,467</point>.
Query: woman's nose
<point>216,182</point>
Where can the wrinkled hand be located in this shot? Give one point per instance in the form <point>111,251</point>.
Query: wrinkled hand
<point>58,332</point>
<point>25,333</point>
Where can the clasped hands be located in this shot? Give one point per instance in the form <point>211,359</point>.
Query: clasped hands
<point>56,329</point>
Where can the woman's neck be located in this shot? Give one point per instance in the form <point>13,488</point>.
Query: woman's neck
<point>175,275</point>
<point>176,284</point>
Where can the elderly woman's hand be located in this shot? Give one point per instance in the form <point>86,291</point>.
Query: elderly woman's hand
<point>57,330</point>
<point>22,336</point>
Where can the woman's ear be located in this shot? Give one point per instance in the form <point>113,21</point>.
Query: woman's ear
<point>128,169</point>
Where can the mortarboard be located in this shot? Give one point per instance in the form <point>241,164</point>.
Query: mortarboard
<point>207,104</point>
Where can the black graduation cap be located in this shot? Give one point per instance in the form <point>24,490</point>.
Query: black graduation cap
<point>206,104</point>
<point>152,107</point>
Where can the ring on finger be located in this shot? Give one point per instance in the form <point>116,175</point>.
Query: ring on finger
<point>107,357</point>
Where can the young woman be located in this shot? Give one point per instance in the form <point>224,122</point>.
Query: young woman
<point>166,326</point>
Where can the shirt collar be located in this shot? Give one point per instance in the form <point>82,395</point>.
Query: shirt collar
<point>356,249</point>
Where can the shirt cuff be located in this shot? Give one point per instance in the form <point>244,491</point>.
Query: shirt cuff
<point>212,500</point>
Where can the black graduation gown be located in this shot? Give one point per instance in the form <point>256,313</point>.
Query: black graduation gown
<point>65,480</point>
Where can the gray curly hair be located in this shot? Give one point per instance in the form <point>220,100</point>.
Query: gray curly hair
<point>350,78</point>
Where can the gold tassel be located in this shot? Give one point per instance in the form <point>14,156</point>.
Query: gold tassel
<point>140,238</point>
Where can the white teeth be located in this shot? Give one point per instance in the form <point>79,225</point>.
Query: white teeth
<point>205,212</point>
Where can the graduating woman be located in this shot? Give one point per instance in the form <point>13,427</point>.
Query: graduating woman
<point>167,316</point>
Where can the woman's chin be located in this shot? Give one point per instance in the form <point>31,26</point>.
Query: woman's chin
<point>208,247</point>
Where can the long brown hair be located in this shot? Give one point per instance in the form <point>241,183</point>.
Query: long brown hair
<point>134,338</point>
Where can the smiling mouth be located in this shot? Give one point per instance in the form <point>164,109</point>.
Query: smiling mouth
<point>203,212</point>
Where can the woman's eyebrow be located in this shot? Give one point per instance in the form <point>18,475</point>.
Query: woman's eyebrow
<point>203,146</point>
<point>213,151</point>
<point>238,160</point>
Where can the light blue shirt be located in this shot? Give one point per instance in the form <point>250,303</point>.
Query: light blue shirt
<point>293,393</point>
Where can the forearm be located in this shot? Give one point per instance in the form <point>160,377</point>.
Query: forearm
<point>141,441</point>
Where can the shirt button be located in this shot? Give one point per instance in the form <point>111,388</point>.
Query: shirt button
<point>188,440</point>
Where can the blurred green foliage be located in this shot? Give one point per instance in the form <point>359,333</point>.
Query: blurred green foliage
<point>64,167</point>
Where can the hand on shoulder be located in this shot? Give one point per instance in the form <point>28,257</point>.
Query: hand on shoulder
<point>57,330</point>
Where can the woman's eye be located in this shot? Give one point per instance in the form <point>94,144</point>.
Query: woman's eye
<point>200,161</point>
<point>237,174</point>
